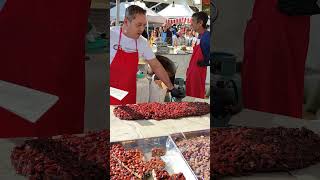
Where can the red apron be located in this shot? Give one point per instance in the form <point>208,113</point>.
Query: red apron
<point>275,52</point>
<point>42,47</point>
<point>123,70</point>
<point>196,76</point>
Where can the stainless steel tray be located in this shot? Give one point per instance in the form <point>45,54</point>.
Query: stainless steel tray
<point>187,135</point>
<point>175,163</point>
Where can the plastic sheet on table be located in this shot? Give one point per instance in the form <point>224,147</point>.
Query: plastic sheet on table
<point>188,135</point>
<point>175,163</point>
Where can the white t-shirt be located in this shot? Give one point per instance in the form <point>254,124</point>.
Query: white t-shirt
<point>129,44</point>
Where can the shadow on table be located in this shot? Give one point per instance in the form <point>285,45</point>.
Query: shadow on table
<point>71,163</point>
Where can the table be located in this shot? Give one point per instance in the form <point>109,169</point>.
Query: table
<point>253,118</point>
<point>151,128</point>
<point>121,130</point>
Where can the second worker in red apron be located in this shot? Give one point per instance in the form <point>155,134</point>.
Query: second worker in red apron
<point>197,70</point>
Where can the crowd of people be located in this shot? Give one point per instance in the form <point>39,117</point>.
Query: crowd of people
<point>174,35</point>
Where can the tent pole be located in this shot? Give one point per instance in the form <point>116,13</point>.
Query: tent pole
<point>155,6</point>
<point>148,29</point>
<point>118,12</point>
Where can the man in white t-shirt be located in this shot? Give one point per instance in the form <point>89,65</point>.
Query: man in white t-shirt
<point>126,45</point>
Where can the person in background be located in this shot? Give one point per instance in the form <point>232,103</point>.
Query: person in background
<point>169,36</point>
<point>126,45</point>
<point>158,31</point>
<point>163,33</point>
<point>197,70</point>
<point>182,38</point>
<point>166,35</point>
<point>153,37</point>
<point>174,29</point>
<point>188,37</point>
<point>169,66</point>
<point>157,88</point>
<point>175,41</point>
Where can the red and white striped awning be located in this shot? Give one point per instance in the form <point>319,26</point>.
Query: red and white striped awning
<point>179,21</point>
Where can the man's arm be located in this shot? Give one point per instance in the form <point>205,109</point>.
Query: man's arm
<point>160,72</point>
<point>205,47</point>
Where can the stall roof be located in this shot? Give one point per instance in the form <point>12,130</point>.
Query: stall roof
<point>151,15</point>
<point>176,11</point>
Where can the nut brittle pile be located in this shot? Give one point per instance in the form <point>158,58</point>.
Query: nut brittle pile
<point>131,164</point>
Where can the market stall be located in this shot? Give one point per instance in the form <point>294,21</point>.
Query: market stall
<point>175,11</point>
<point>156,122</point>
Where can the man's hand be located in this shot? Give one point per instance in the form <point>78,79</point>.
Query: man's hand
<point>176,93</point>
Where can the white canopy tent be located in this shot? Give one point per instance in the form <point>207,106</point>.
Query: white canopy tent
<point>177,11</point>
<point>153,18</point>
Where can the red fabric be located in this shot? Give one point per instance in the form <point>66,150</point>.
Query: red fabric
<point>123,70</point>
<point>42,47</point>
<point>196,76</point>
<point>275,52</point>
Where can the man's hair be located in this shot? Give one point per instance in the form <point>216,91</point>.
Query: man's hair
<point>201,16</point>
<point>167,64</point>
<point>133,10</point>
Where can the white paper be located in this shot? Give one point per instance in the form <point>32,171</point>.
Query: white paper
<point>27,103</point>
<point>118,93</point>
